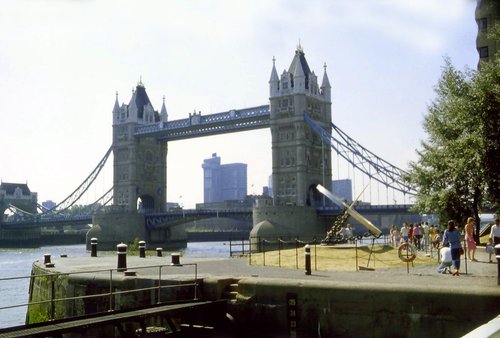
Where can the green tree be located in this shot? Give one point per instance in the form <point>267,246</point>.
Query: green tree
<point>487,93</point>
<point>457,169</point>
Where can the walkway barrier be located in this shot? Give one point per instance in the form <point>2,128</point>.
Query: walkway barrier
<point>239,247</point>
<point>281,245</point>
<point>112,293</point>
<point>367,253</point>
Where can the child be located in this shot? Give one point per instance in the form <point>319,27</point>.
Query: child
<point>489,248</point>
<point>437,239</point>
<point>445,257</point>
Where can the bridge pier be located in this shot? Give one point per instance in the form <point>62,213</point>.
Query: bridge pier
<point>114,227</point>
<point>272,222</point>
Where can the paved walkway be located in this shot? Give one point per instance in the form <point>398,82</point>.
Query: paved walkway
<point>480,274</point>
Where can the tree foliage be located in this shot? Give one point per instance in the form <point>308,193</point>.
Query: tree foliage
<point>458,167</point>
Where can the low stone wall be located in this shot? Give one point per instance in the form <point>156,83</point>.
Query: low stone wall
<point>267,307</point>
<point>274,308</point>
<point>45,287</point>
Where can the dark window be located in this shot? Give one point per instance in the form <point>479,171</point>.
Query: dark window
<point>483,52</point>
<point>482,24</point>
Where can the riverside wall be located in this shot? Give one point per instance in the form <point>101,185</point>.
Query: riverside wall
<point>272,302</point>
<point>275,308</point>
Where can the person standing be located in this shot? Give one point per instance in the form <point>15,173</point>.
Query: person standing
<point>489,249</point>
<point>432,233</point>
<point>425,229</point>
<point>395,235</point>
<point>453,238</point>
<point>348,231</point>
<point>405,232</point>
<point>495,232</point>
<point>469,239</point>
<point>416,235</point>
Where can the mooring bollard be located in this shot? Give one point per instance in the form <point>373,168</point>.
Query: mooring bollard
<point>46,259</point>
<point>93,247</point>
<point>158,252</point>
<point>142,249</point>
<point>308,259</point>
<point>122,257</point>
<point>176,258</point>
<point>497,256</point>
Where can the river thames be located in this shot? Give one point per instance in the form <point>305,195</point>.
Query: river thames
<point>17,263</point>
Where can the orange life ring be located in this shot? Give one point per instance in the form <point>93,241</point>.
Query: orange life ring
<point>410,253</point>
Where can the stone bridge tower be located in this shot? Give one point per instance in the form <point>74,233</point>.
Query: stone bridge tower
<point>18,195</point>
<point>300,159</point>
<point>139,179</point>
<point>139,172</point>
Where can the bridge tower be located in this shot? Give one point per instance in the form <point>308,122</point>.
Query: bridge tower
<point>139,179</point>
<point>300,159</point>
<point>139,172</point>
<point>19,195</point>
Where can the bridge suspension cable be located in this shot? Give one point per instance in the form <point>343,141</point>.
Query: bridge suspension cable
<point>83,187</point>
<point>102,201</point>
<point>364,160</point>
<point>19,211</point>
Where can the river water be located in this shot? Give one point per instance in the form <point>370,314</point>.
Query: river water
<point>17,263</point>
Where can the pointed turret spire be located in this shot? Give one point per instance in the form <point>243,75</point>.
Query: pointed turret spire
<point>326,88</point>
<point>116,108</point>
<point>326,82</point>
<point>163,111</point>
<point>274,73</point>
<point>274,81</point>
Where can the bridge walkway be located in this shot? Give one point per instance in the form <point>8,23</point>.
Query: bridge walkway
<point>193,315</point>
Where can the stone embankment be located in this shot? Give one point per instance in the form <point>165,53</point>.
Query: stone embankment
<point>273,302</point>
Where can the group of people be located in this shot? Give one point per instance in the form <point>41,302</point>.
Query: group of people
<point>452,247</point>
<point>449,241</point>
<point>420,235</point>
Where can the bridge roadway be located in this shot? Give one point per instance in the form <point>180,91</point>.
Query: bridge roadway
<point>174,217</point>
<point>214,124</point>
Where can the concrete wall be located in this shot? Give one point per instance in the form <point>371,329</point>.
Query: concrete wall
<point>66,286</point>
<point>330,309</point>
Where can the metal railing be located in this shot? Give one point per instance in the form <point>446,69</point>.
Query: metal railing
<point>277,250</point>
<point>239,247</point>
<point>113,283</point>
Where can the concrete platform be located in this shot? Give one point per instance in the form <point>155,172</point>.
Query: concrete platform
<point>481,274</point>
<point>419,302</point>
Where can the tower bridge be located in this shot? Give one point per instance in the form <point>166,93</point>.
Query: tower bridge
<point>299,118</point>
<point>298,105</point>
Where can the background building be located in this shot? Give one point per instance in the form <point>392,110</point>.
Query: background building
<point>487,16</point>
<point>223,182</point>
<point>49,204</point>
<point>343,189</point>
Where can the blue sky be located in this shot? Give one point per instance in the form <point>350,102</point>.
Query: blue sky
<point>61,63</point>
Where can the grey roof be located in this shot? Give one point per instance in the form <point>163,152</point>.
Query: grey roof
<point>11,187</point>
<point>300,58</point>
<point>141,100</point>
<point>326,82</point>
